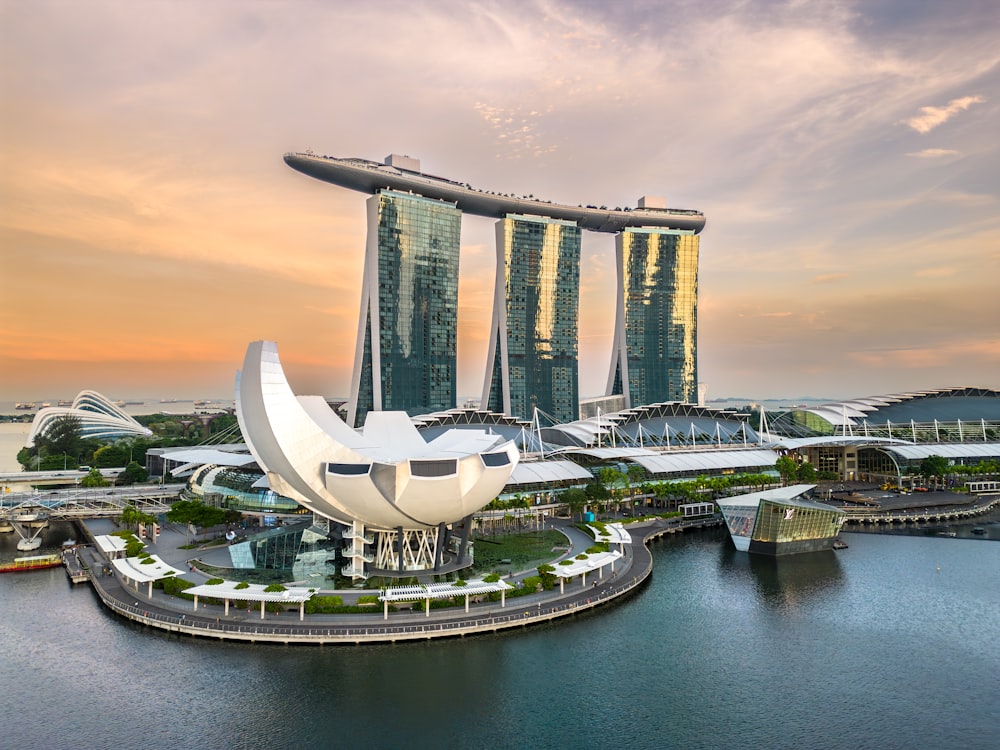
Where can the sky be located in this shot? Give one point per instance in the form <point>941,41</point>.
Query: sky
<point>845,155</point>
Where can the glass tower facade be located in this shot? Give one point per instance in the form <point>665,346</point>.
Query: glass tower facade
<point>405,358</point>
<point>533,352</point>
<point>656,343</point>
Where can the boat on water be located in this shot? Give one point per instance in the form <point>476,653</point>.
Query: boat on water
<point>979,530</point>
<point>34,562</point>
<point>26,545</point>
<point>25,406</point>
<point>839,544</point>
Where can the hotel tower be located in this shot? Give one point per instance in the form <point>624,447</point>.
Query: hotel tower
<point>405,359</point>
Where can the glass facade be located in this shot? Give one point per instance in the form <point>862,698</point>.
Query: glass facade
<point>740,520</point>
<point>534,341</point>
<point>232,488</point>
<point>792,523</point>
<point>656,333</point>
<point>414,323</point>
<point>301,550</point>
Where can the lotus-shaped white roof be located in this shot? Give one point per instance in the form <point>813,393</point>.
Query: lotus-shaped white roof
<point>386,477</point>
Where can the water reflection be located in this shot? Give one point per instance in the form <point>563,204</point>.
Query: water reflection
<point>786,582</point>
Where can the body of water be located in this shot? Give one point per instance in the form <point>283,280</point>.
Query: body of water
<point>13,436</point>
<point>892,643</point>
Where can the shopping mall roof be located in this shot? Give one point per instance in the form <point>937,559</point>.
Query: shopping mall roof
<point>677,462</point>
<point>945,450</point>
<point>537,472</point>
<point>941,404</point>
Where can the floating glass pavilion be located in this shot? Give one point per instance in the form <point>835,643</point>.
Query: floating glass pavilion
<point>781,521</point>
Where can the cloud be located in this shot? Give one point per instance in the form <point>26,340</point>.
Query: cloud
<point>934,153</point>
<point>935,273</point>
<point>826,278</point>
<point>931,117</point>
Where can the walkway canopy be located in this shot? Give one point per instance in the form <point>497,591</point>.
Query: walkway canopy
<point>254,592</point>
<point>112,546</point>
<point>582,567</point>
<point>144,570</point>
<point>441,591</point>
<point>614,533</point>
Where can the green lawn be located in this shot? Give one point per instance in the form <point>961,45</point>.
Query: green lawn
<point>527,550</point>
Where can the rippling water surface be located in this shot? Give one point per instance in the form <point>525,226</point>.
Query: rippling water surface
<point>892,643</point>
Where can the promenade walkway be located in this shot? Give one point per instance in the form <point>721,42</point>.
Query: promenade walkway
<point>177,615</point>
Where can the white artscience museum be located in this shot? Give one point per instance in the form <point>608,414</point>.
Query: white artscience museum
<point>397,495</point>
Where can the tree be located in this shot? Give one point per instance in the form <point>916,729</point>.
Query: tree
<point>62,436</point>
<point>576,499</point>
<point>787,468</point>
<point>934,466</point>
<point>806,472</point>
<point>195,513</point>
<point>133,473</point>
<point>110,455</point>
<point>634,476</point>
<point>94,479</point>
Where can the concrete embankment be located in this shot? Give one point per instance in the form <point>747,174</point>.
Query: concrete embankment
<point>520,612</point>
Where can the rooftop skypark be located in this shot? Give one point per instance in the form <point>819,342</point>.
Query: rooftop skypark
<point>403,173</point>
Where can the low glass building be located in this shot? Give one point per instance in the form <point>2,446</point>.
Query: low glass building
<point>781,521</point>
<point>302,551</point>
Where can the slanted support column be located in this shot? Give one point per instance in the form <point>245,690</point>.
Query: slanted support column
<point>439,552</point>
<point>583,577</point>
<point>466,603</point>
<point>227,606</point>
<point>463,546</point>
<point>562,585</point>
<point>399,547</point>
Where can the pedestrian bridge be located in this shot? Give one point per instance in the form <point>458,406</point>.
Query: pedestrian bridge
<point>87,503</point>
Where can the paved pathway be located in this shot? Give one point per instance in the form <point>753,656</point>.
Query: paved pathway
<point>175,614</point>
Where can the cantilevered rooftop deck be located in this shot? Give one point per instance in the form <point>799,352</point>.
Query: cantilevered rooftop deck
<point>370,177</point>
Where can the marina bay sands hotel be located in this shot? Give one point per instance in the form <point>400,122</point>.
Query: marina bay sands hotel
<point>406,348</point>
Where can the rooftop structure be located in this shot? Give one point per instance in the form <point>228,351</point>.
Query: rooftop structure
<point>99,419</point>
<point>877,416</point>
<point>403,173</point>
